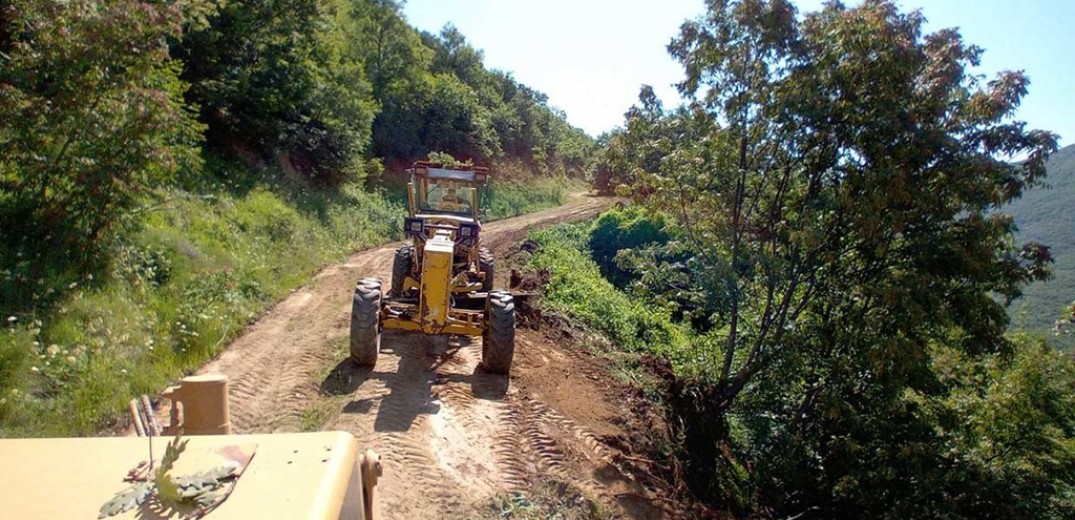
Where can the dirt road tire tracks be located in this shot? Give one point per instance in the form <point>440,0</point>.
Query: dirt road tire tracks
<point>451,435</point>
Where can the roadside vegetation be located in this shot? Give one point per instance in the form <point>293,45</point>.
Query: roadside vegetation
<point>818,248</point>
<point>1002,421</point>
<point>549,499</point>
<point>170,169</point>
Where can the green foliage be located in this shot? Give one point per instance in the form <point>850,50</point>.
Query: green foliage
<point>637,251</point>
<point>281,76</point>
<point>550,500</point>
<point>391,50</point>
<point>126,500</point>
<point>177,291</point>
<point>577,288</point>
<point>620,230</point>
<point>321,84</point>
<point>446,159</point>
<point>190,496</point>
<point>94,120</point>
<point>448,101</point>
<point>1008,426</point>
<point>832,187</point>
<point>1043,214</point>
<point>513,198</point>
<point>433,112</point>
<point>629,152</point>
<point>166,487</point>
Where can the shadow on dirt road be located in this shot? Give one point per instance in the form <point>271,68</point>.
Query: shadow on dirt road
<point>424,364</point>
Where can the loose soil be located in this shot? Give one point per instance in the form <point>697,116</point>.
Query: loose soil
<point>451,437</point>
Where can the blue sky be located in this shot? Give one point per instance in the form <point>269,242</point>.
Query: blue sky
<point>591,56</point>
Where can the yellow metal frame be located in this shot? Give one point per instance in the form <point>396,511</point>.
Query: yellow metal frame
<point>464,322</point>
<point>434,313</point>
<point>466,287</point>
<point>316,476</point>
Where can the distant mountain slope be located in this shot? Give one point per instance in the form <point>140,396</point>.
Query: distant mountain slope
<point>1047,214</point>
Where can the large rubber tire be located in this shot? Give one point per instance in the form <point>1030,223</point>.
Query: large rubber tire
<point>498,338</point>
<point>401,267</point>
<point>365,322</point>
<point>487,265</point>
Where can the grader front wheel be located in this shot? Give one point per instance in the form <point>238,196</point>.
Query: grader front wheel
<point>498,339</point>
<point>401,267</point>
<point>365,326</point>
<point>487,265</point>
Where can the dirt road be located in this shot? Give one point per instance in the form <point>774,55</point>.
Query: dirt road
<point>451,436</point>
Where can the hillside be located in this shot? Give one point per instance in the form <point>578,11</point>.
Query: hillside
<point>1044,214</point>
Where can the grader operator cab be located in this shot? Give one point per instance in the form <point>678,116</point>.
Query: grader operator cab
<point>442,282</point>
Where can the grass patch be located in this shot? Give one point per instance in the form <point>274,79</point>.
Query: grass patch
<point>318,414</point>
<point>195,273</point>
<point>549,500</point>
<point>512,198</point>
<point>327,407</point>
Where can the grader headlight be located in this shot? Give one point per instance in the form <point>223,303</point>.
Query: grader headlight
<point>413,226</point>
<point>468,230</point>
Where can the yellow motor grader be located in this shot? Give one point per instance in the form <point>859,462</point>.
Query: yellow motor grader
<point>442,282</point>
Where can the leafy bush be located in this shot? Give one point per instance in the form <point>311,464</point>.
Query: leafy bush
<point>629,227</point>
<point>94,119</point>
<point>577,288</point>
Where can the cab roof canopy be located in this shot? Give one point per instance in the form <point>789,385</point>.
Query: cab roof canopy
<point>435,170</point>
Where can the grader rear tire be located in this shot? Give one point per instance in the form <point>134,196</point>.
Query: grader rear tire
<point>365,322</point>
<point>498,339</point>
<point>401,267</point>
<point>487,265</point>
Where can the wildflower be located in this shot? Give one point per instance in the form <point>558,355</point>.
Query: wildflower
<point>12,319</point>
<point>35,370</point>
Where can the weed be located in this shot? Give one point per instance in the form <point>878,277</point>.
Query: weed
<point>549,500</point>
<point>318,413</point>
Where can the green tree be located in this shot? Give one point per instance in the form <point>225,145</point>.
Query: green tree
<point>453,55</point>
<point>281,76</point>
<point>93,118</point>
<point>835,179</point>
<point>1006,427</point>
<point>391,50</point>
<point>435,112</point>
